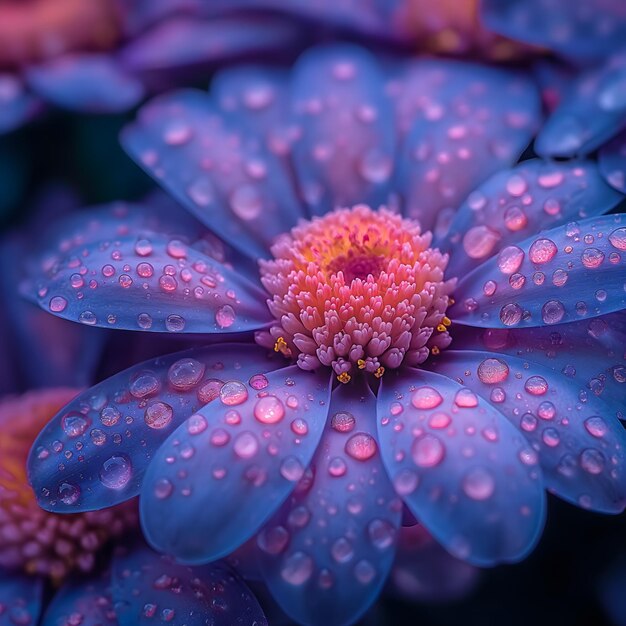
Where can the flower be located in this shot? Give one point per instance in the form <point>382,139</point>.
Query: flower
<point>40,550</point>
<point>103,56</point>
<point>430,352</point>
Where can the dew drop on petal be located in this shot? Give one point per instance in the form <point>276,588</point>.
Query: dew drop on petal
<point>536,385</point>
<point>343,422</point>
<point>163,488</point>
<point>479,241</point>
<point>273,540</point>
<point>297,568</point>
<point>225,316</point>
<point>542,251</point>
<point>158,415</point>
<point>552,312</point>
<point>618,238</point>
<point>510,259</point>
<point>68,493</point>
<point>246,445</point>
<point>58,304</point>
<point>596,426</point>
<point>185,374</point>
<point>465,398</point>
<point>426,398</point>
<point>511,314</point>
<point>405,482</point>
<point>116,472</point>
<point>233,393</point>
<point>492,371</point>
<point>74,424</point>
<point>592,461</point>
<point>258,382</point>
<point>479,484</point>
<point>269,410</point>
<point>361,446</point>
<point>427,451</point>
<point>291,469</point>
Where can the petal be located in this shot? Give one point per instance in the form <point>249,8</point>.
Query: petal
<point>515,204</point>
<point>327,553</point>
<point>154,284</point>
<point>592,111</point>
<point>578,441</point>
<point>245,452</point>
<point>216,170</point>
<point>148,587</point>
<point>424,572</point>
<point>567,273</point>
<point>182,41</point>
<point>85,82</point>
<point>117,425</point>
<point>86,602</point>
<point>459,465</point>
<point>588,351</point>
<point>20,598</point>
<point>578,30</point>
<point>463,123</point>
<point>612,162</point>
<point>17,106</point>
<point>345,155</point>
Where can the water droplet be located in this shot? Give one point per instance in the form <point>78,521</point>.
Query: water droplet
<point>273,540</point>
<point>546,410</point>
<point>158,415</point>
<point>405,482</point>
<point>144,385</point>
<point>618,238</point>
<point>68,492</point>
<point>259,382</point>
<point>375,166</point>
<point>381,533</point>
<point>337,467</point>
<point>479,484</point>
<point>174,323</point>
<point>479,241</point>
<point>209,390</point>
<point>291,469</point>
<point>246,445</point>
<point>269,410</point>
<point>542,251</point>
<point>592,461</point>
<point>592,258</point>
<point>552,312</point>
<point>233,393</point>
<point>427,451</point>
<point>116,472</point>
<point>297,568</point>
<point>185,374</point>
<point>225,316</point>
<point>74,424</point>
<point>536,385</point>
<point>343,421</point>
<point>87,317</point>
<point>465,398</point>
<point>364,572</point>
<point>510,259</point>
<point>492,371</point>
<point>511,314</point>
<point>596,426</point>
<point>342,550</point>
<point>196,424</point>
<point>361,446</point>
<point>58,304</point>
<point>143,247</point>
<point>551,437</point>
<point>426,398</point>
<point>515,219</point>
<point>246,202</point>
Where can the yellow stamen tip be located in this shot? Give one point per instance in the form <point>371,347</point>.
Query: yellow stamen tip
<point>344,377</point>
<point>361,364</point>
<point>441,328</point>
<point>282,347</point>
<point>446,321</point>
<point>379,372</point>
<point>435,350</point>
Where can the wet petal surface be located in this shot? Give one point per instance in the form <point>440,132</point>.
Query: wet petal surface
<point>149,588</point>
<point>214,168</point>
<point>592,111</point>
<point>460,468</point>
<point>326,554</point>
<point>461,123</point>
<point>576,439</point>
<point>346,150</point>
<point>579,30</point>
<point>246,451</point>
<point>612,162</point>
<point>20,598</point>
<point>565,274</point>
<point>154,283</point>
<point>94,83</point>
<point>515,204</point>
<point>95,451</point>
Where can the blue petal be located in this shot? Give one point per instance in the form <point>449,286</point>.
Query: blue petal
<point>578,30</point>
<point>20,598</point>
<point>85,602</point>
<point>327,553</point>
<point>155,283</point>
<point>463,123</point>
<point>116,427</point>
<point>592,111</point>
<point>460,467</point>
<point>246,453</point>
<point>567,273</point>
<point>17,106</point>
<point>515,204</point>
<point>578,441</point>
<point>149,587</point>
<point>85,82</point>
<point>183,41</point>
<point>612,162</point>
<point>212,167</point>
<point>345,155</point>
<point>588,351</point>
<point>424,572</point>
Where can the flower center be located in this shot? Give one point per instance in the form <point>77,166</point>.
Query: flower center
<point>31,31</point>
<point>31,539</point>
<point>355,290</point>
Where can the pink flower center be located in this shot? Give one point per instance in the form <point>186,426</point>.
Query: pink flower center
<point>33,540</point>
<point>355,290</point>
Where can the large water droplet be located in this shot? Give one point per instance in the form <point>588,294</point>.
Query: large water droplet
<point>542,251</point>
<point>426,398</point>
<point>479,484</point>
<point>74,424</point>
<point>361,446</point>
<point>116,472</point>
<point>492,371</point>
<point>185,374</point>
<point>158,415</point>
<point>343,422</point>
<point>269,410</point>
<point>233,393</point>
<point>427,451</point>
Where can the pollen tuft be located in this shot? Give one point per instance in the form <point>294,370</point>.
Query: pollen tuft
<point>357,289</point>
<point>33,540</point>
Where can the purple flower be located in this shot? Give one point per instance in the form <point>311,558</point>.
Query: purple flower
<point>461,372</point>
<point>103,56</point>
<point>40,550</point>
